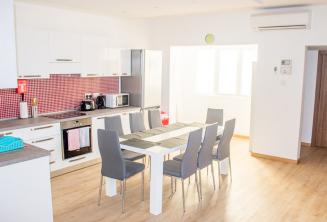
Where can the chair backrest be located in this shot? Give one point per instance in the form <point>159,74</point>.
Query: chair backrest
<point>136,121</point>
<point>113,164</point>
<point>190,157</point>
<point>205,153</point>
<point>223,150</point>
<point>113,123</point>
<point>154,118</point>
<point>215,116</point>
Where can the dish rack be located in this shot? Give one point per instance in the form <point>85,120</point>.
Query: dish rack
<point>10,143</point>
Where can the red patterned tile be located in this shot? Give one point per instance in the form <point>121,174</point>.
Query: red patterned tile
<point>58,93</point>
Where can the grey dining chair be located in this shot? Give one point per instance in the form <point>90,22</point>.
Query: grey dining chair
<point>154,118</point>
<point>114,165</point>
<point>113,123</point>
<point>223,150</point>
<point>205,153</point>
<point>136,121</point>
<point>187,166</point>
<point>215,116</point>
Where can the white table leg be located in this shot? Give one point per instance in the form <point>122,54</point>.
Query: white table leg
<point>224,167</point>
<point>110,187</point>
<point>156,184</point>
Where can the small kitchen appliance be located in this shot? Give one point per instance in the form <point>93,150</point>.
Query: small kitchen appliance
<point>117,100</point>
<point>100,102</point>
<point>87,105</point>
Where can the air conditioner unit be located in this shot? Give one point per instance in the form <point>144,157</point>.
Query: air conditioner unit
<point>280,21</point>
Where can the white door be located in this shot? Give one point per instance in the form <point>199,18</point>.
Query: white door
<point>152,78</point>
<point>113,65</point>
<point>8,65</point>
<point>125,62</point>
<point>65,53</point>
<point>32,53</point>
<point>94,55</point>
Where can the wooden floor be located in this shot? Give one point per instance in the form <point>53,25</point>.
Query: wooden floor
<point>262,190</point>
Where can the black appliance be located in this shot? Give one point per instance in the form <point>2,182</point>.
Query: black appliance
<point>100,102</point>
<point>87,105</point>
<point>80,124</point>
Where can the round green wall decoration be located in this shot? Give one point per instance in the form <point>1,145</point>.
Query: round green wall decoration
<point>209,38</point>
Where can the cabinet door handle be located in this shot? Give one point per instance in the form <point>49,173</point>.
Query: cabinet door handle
<point>51,150</point>
<point>30,76</point>
<point>40,128</point>
<point>9,133</point>
<point>101,117</point>
<point>64,60</point>
<point>77,159</point>
<point>114,74</point>
<point>92,74</point>
<point>124,74</point>
<point>40,141</point>
<point>52,162</point>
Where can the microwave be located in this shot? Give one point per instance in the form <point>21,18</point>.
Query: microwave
<point>117,100</point>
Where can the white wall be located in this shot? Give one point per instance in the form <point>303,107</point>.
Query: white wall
<point>309,91</point>
<point>276,99</point>
<point>121,32</point>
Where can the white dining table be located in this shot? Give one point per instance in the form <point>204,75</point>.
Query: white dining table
<point>157,154</point>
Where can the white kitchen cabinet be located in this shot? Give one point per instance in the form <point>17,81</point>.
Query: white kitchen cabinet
<point>8,65</point>
<point>97,123</point>
<point>32,53</point>
<point>65,53</point>
<point>44,136</point>
<point>119,62</point>
<point>93,60</point>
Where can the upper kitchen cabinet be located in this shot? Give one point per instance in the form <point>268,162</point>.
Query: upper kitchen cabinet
<point>65,53</point>
<point>8,68</point>
<point>93,60</point>
<point>119,62</point>
<point>32,53</point>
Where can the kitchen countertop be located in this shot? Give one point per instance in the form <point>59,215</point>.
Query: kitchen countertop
<point>29,152</point>
<point>12,124</point>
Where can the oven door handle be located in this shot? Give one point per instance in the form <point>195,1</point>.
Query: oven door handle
<point>77,159</point>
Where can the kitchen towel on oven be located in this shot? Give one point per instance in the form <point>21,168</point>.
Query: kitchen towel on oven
<point>84,137</point>
<point>73,139</point>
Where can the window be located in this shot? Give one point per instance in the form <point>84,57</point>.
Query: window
<point>225,70</point>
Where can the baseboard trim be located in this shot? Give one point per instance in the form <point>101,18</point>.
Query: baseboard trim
<point>305,144</point>
<point>276,158</point>
<point>241,136</point>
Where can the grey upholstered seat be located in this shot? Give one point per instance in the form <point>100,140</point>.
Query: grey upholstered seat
<point>113,164</point>
<point>188,166</point>
<point>154,118</point>
<point>205,152</point>
<point>136,121</point>
<point>215,116</point>
<point>223,150</point>
<point>113,123</point>
<point>172,167</point>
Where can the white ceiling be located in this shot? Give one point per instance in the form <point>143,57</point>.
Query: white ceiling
<point>154,8</point>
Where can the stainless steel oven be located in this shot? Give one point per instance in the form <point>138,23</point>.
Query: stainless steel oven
<point>76,138</point>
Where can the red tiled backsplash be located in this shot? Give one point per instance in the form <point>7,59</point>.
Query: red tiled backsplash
<point>58,93</point>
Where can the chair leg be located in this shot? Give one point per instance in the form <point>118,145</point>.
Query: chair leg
<point>175,184</point>
<point>142,197</point>
<point>121,188</point>
<point>200,180</point>
<point>171,188</point>
<point>123,197</point>
<point>183,195</point>
<point>213,176</point>
<point>197,186</point>
<point>219,177</point>
<point>100,190</point>
<point>230,169</point>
